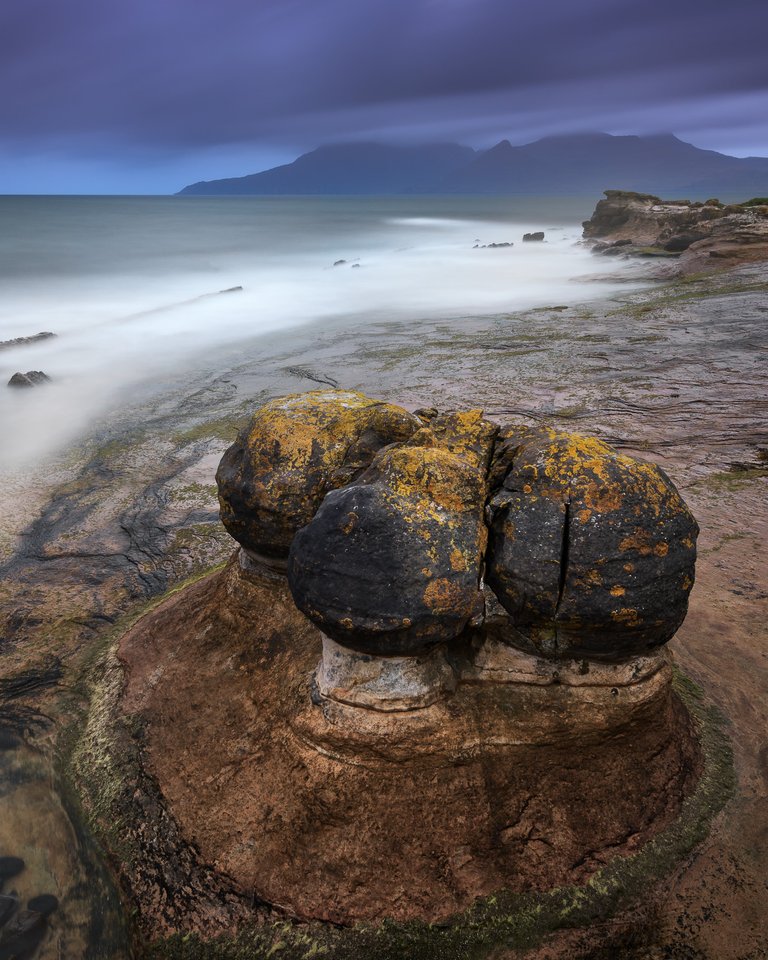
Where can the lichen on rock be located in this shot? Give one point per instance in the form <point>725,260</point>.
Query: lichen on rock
<point>294,450</point>
<point>391,563</point>
<point>591,552</point>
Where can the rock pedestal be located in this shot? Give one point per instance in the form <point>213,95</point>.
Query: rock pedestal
<point>388,684</point>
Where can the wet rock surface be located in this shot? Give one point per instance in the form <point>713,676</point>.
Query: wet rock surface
<point>412,815</point>
<point>23,929</point>
<point>32,378</point>
<point>537,236</point>
<point>26,341</point>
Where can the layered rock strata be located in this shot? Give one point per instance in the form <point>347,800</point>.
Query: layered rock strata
<point>591,552</point>
<point>627,224</point>
<point>530,774</point>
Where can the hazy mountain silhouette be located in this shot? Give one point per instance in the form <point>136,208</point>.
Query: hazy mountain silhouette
<point>577,164</point>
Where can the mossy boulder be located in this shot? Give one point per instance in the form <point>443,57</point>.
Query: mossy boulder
<point>391,564</point>
<point>591,552</point>
<point>294,450</point>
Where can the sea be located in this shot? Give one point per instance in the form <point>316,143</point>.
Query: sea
<point>137,289</point>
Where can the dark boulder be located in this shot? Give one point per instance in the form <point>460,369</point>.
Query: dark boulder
<point>591,552</point>
<point>533,237</point>
<point>294,450</point>
<point>391,564</point>
<point>32,378</point>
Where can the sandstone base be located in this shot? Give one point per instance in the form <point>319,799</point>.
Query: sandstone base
<point>337,812</point>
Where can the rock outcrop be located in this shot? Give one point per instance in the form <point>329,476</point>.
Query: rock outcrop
<point>627,223</point>
<point>384,517</point>
<point>538,235</point>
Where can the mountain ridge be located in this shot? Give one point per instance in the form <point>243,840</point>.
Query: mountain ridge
<point>564,164</point>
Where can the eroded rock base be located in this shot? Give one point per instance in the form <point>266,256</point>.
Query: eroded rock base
<point>339,813</point>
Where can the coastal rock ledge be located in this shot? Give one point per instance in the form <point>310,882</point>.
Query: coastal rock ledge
<point>434,671</point>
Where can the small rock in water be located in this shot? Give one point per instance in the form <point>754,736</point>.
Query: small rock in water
<point>10,866</point>
<point>339,263</point>
<point>231,290</point>
<point>44,904</point>
<point>491,246</point>
<point>32,378</point>
<point>24,341</point>
<point>528,237</point>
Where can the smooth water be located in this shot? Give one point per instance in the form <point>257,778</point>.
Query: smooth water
<point>130,285</point>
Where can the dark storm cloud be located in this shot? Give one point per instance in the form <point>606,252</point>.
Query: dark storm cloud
<point>174,75</point>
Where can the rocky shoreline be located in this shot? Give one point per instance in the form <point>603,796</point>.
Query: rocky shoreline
<point>700,234</point>
<point>672,372</point>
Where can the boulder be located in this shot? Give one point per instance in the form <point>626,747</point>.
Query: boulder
<point>591,552</point>
<point>533,237</point>
<point>294,450</point>
<point>391,564</point>
<point>32,378</point>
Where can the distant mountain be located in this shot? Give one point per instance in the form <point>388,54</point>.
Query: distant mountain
<point>578,165</point>
<point>352,168</point>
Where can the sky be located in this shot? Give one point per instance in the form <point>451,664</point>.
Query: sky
<point>108,96</point>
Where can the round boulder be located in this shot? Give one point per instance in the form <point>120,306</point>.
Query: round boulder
<point>294,450</point>
<point>390,564</point>
<point>591,552</point>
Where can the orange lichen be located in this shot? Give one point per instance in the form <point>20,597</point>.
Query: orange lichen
<point>443,596</point>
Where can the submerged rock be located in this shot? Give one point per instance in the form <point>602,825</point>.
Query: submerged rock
<point>26,341</point>
<point>591,553</point>
<point>391,563</point>
<point>295,449</point>
<point>32,378</point>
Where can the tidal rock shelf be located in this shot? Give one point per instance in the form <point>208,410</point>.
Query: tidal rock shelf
<point>378,712</point>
